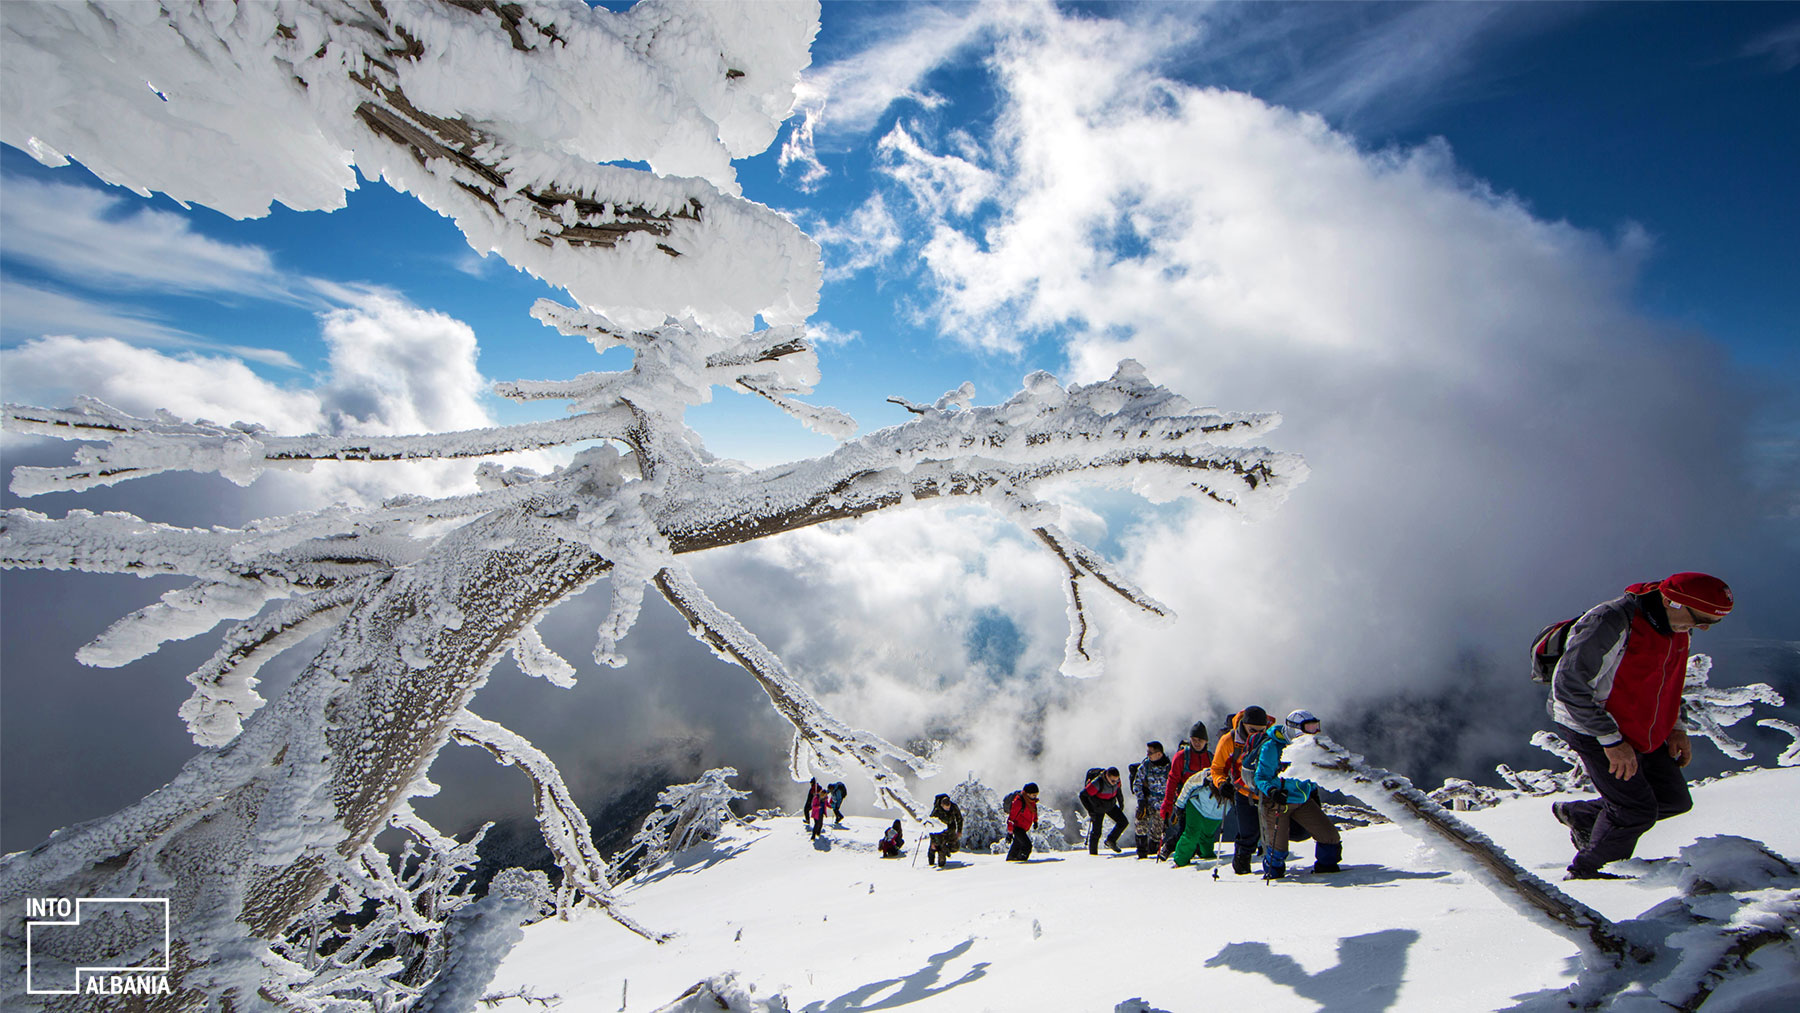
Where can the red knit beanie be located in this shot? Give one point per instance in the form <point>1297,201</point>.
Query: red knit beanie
<point>1698,591</point>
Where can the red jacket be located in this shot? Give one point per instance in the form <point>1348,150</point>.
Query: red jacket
<point>1188,761</point>
<point>1622,674</point>
<point>1022,814</point>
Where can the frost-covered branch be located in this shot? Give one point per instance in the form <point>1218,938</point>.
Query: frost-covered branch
<point>1320,759</point>
<point>1790,757</point>
<point>138,448</point>
<point>1709,710</point>
<point>833,745</point>
<point>565,828</point>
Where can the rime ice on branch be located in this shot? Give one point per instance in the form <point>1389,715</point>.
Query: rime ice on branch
<point>495,115</point>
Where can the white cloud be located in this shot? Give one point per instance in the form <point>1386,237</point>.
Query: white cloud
<point>394,369</point>
<point>1779,46</point>
<point>866,239</point>
<point>947,184</point>
<point>823,332</point>
<point>1497,436</point>
<point>31,311</point>
<point>846,97</point>
<point>89,236</point>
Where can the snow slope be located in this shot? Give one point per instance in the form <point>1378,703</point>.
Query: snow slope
<point>832,927</point>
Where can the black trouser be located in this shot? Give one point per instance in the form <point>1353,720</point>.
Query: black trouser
<point>818,823</point>
<point>1249,825</point>
<point>1626,808</point>
<point>1021,846</point>
<point>1098,809</point>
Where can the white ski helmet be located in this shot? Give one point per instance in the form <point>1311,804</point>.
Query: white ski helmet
<point>1296,720</point>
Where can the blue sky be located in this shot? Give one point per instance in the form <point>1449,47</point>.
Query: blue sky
<point>1521,278</point>
<point>1676,119</point>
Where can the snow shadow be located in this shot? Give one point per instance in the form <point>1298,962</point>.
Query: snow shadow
<point>1370,875</point>
<point>921,984</point>
<point>1366,978</point>
<point>697,859</point>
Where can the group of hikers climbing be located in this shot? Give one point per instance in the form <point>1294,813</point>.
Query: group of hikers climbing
<point>1616,676</point>
<point>1184,800</point>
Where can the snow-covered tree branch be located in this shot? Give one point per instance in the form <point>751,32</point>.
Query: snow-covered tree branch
<point>496,116</point>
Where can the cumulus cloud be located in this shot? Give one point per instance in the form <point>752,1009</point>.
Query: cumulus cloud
<point>393,369</point>
<point>1497,437</point>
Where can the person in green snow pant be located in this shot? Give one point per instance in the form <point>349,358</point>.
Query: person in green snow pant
<point>1197,833</point>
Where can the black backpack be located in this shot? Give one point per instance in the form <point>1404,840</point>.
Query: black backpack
<point>1548,649</point>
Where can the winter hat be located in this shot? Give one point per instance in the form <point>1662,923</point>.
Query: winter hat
<point>1297,720</point>
<point>1698,591</point>
<point>1198,731</point>
<point>1031,788</point>
<point>1254,715</point>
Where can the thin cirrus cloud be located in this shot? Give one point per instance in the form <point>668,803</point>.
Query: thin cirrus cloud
<point>32,310</point>
<point>89,236</point>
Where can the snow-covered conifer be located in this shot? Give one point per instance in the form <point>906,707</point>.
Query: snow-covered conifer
<point>685,815</point>
<point>984,819</point>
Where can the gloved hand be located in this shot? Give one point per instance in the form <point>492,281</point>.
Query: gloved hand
<point>1279,803</point>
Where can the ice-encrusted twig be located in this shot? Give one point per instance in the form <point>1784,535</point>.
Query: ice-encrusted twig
<point>137,448</point>
<point>1708,710</point>
<point>566,830</point>
<point>1083,563</point>
<point>225,687</point>
<point>1317,758</point>
<point>824,735</point>
<point>1790,757</point>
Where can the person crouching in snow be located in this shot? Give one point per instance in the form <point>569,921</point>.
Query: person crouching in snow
<point>1616,699</point>
<point>1202,811</point>
<point>1021,816</point>
<point>891,841</point>
<point>945,841</point>
<point>1287,800</point>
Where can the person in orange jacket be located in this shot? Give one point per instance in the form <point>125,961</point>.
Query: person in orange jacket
<point>1230,784</point>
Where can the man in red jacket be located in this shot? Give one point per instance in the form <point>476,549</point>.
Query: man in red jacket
<point>1021,816</point>
<point>1188,761</point>
<point>1616,695</point>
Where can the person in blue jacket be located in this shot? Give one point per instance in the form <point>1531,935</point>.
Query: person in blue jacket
<point>1288,800</point>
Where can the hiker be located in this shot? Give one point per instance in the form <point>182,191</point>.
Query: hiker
<point>944,842</point>
<point>837,791</point>
<point>1202,807</point>
<point>1616,699</point>
<point>1287,800</point>
<point>817,803</point>
<point>1021,816</point>
<point>891,841</point>
<point>1189,758</point>
<point>1101,799</point>
<point>813,791</point>
<point>1149,783</point>
<point>1230,781</point>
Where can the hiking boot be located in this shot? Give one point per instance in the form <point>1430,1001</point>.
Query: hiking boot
<point>1114,845</point>
<point>1575,873</point>
<point>1564,815</point>
<point>1240,862</point>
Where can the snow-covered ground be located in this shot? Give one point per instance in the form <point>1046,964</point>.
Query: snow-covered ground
<point>832,927</point>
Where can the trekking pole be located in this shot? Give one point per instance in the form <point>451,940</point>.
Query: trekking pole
<point>916,847</point>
